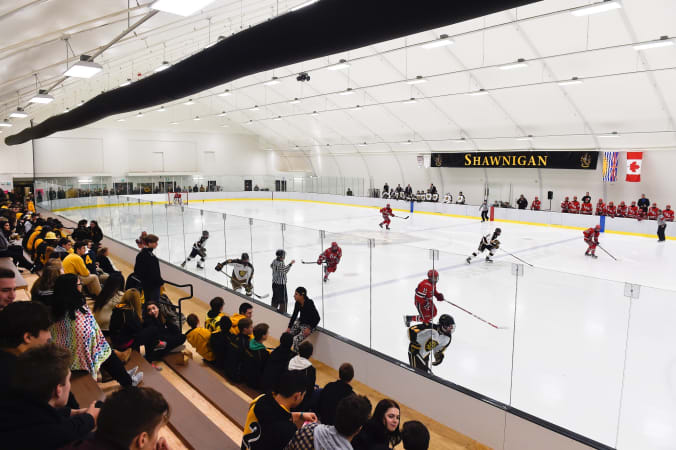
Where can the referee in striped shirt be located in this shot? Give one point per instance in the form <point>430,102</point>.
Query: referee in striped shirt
<point>279,271</point>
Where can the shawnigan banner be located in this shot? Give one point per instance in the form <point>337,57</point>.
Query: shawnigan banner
<point>534,159</point>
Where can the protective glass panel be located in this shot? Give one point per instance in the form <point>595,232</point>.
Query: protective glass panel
<point>303,245</point>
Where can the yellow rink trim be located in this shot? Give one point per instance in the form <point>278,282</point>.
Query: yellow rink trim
<point>457,216</point>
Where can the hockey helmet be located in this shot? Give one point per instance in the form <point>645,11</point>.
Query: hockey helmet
<point>497,231</point>
<point>668,206</point>
<point>566,199</point>
<point>654,205</point>
<point>633,203</point>
<point>387,206</point>
<point>600,200</point>
<point>597,227</point>
<point>574,197</point>
<point>610,203</point>
<point>334,245</point>
<point>536,198</point>
<point>245,257</point>
<point>280,253</point>
<point>205,233</point>
<point>622,203</point>
<point>433,274</point>
<point>447,324</point>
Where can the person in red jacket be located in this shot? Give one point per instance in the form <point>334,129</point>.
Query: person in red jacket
<point>535,206</point>
<point>330,258</point>
<point>565,205</point>
<point>632,211</point>
<point>591,238</point>
<point>668,214</point>
<point>424,293</point>
<point>653,212</point>
<point>586,208</point>
<point>611,210</point>
<point>600,207</point>
<point>574,207</point>
<point>386,213</point>
<point>622,209</point>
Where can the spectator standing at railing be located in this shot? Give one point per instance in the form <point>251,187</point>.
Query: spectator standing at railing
<point>304,319</point>
<point>643,203</point>
<point>147,269</point>
<point>586,198</point>
<point>522,203</point>
<point>386,188</point>
<point>408,191</point>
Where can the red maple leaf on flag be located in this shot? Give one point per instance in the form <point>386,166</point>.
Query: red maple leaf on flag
<point>634,166</point>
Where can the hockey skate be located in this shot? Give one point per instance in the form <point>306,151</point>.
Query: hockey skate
<point>200,265</point>
<point>587,254</point>
<point>326,278</point>
<point>407,321</point>
<point>380,225</point>
<point>488,259</point>
<point>183,263</point>
<point>594,256</point>
<point>387,228</point>
<point>468,259</point>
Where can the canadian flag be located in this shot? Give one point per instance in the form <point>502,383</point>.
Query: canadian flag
<point>634,162</point>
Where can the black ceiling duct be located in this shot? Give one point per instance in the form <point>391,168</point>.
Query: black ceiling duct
<point>320,29</point>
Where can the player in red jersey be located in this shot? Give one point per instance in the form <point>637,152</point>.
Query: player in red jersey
<point>330,258</point>
<point>591,238</point>
<point>586,208</point>
<point>423,299</point>
<point>668,214</point>
<point>574,207</point>
<point>600,207</point>
<point>611,210</point>
<point>632,212</point>
<point>386,213</point>
<point>653,212</point>
<point>565,205</point>
<point>622,209</point>
<point>535,206</point>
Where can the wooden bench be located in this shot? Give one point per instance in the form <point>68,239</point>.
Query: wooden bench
<point>7,263</point>
<point>207,383</point>
<point>85,389</point>
<point>188,422</point>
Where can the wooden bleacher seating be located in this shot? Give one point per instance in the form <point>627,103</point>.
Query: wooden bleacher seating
<point>85,389</point>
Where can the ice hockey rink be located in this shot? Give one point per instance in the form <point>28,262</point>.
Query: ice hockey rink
<point>571,347</point>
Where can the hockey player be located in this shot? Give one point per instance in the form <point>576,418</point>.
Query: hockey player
<point>330,258</point>
<point>427,339</point>
<point>668,214</point>
<point>386,212</point>
<point>591,238</point>
<point>586,208</point>
<point>611,210</point>
<point>653,212</point>
<point>198,248</point>
<point>600,207</point>
<point>622,209</point>
<point>178,200</point>
<point>242,273</point>
<point>632,213</point>
<point>565,205</point>
<point>488,242</point>
<point>535,206</point>
<point>448,198</point>
<point>423,299</point>
<point>574,207</point>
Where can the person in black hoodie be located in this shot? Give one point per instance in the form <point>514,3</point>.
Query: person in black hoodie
<point>237,346</point>
<point>33,415</point>
<point>166,331</point>
<point>126,325</point>
<point>304,319</point>
<point>220,342</point>
<point>97,234</point>
<point>106,264</point>
<point>333,393</point>
<point>278,362</point>
<point>82,232</point>
<point>147,269</point>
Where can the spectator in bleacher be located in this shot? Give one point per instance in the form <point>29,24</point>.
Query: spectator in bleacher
<point>33,414</point>
<point>13,251</point>
<point>82,232</point>
<point>126,324</point>
<point>107,300</point>
<point>353,412</point>
<point>105,264</point>
<point>220,342</point>
<point>75,328</point>
<point>239,343</point>
<point>643,204</point>
<point>460,199</point>
<point>386,187</point>
<point>381,429</point>
<point>301,362</point>
<point>408,191</point>
<point>141,240</point>
<point>279,271</point>
<point>333,393</point>
<point>269,423</point>
<point>522,203</point>
<point>97,234</point>
<point>74,264</point>
<point>304,319</point>
<point>245,312</point>
<point>147,268</point>
<point>278,362</point>
<point>44,250</point>
<point>23,325</point>
<point>256,356</point>
<point>43,288</point>
<point>63,249</point>
<point>7,287</point>
<point>130,419</point>
<point>212,322</point>
<point>199,337</point>
<point>415,436</point>
<point>167,332</point>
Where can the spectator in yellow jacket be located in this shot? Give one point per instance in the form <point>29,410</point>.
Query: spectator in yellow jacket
<point>73,263</point>
<point>199,338</point>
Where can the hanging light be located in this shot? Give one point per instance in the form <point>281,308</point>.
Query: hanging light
<point>84,68</point>
<point>163,66</point>
<point>42,97</point>
<point>18,114</point>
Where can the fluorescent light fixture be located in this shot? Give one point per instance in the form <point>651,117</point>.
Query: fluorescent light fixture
<point>664,41</point>
<point>84,181</point>
<point>249,122</point>
<point>303,5</point>
<point>221,114</point>
<point>356,108</point>
<point>407,142</point>
<point>272,82</point>
<point>19,114</point>
<point>459,141</point>
<point>570,82</point>
<point>42,97</point>
<point>255,108</point>
<point>161,109</point>
<point>278,118</point>
<point>519,64</point>
<point>5,123</point>
<point>614,134</point>
<point>196,118</point>
<point>443,41</point>
<point>173,123</point>
<point>126,83</point>
<point>417,80</point>
<point>139,115</point>
<point>189,102</point>
<point>225,93</point>
<point>180,7</point>
<point>597,8</point>
<point>478,93</point>
<point>525,138</point>
<point>410,101</point>
<point>347,91</point>
<point>225,125</point>
<point>342,64</point>
<point>121,119</point>
<point>315,113</point>
<point>66,110</point>
<point>362,144</point>
<point>83,68</point>
<point>163,66</point>
<point>295,101</point>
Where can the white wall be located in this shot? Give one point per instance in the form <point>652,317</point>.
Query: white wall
<point>16,160</point>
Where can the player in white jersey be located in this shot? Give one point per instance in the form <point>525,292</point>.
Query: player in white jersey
<point>198,248</point>
<point>429,339</point>
<point>242,273</point>
<point>488,242</point>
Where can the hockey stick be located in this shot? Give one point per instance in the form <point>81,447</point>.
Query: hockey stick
<point>309,262</point>
<point>514,256</point>
<point>475,316</point>
<point>606,252</point>
<point>399,217</point>
<point>254,294</point>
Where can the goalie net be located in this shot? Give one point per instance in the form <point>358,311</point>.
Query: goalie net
<point>177,198</point>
